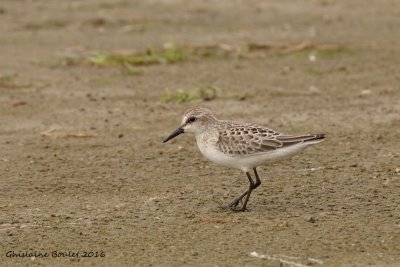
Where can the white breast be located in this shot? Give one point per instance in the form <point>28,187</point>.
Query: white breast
<point>207,144</point>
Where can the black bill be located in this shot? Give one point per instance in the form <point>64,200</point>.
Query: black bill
<point>174,134</point>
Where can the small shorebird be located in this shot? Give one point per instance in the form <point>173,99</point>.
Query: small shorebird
<point>240,145</point>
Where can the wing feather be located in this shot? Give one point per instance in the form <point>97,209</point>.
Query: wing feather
<point>238,139</point>
<point>246,139</point>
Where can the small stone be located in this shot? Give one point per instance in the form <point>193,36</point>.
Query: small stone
<point>314,89</point>
<point>311,219</point>
<point>365,92</point>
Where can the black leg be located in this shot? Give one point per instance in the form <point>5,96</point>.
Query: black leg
<point>258,181</point>
<point>236,201</point>
<point>252,186</point>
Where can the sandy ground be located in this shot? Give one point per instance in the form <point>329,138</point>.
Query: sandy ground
<point>121,193</point>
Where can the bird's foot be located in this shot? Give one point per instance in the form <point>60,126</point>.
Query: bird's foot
<point>235,203</point>
<point>233,206</point>
<point>239,209</point>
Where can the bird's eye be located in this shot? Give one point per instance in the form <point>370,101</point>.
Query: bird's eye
<point>191,119</point>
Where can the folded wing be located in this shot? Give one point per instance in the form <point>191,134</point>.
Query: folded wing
<point>239,140</point>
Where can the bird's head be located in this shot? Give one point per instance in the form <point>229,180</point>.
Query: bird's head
<point>195,120</point>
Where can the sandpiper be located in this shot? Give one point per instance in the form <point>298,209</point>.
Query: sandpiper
<point>240,145</point>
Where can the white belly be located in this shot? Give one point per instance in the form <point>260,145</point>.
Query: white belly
<point>246,162</point>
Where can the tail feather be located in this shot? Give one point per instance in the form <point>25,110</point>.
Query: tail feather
<point>290,140</point>
<point>318,137</point>
<point>300,138</point>
<point>315,139</point>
